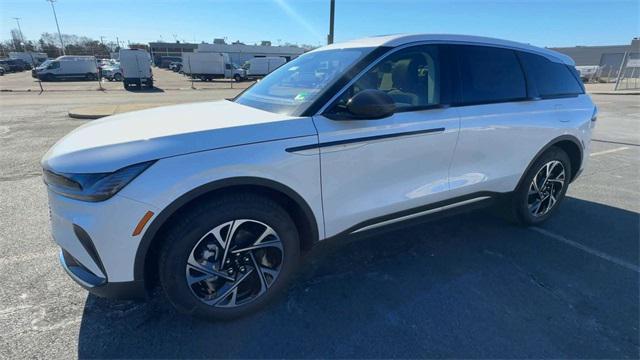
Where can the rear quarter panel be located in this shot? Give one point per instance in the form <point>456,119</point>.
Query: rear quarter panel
<point>497,142</point>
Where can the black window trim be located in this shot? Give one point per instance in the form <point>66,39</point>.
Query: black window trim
<point>321,106</point>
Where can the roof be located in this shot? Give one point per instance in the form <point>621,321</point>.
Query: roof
<point>402,39</point>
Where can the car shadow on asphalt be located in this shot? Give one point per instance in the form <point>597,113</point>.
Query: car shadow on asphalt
<point>144,90</point>
<point>472,285</point>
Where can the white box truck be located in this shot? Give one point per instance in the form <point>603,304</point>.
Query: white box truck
<point>136,68</point>
<point>207,66</point>
<point>262,66</point>
<point>68,68</point>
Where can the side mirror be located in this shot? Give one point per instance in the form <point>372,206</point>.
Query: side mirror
<point>371,104</point>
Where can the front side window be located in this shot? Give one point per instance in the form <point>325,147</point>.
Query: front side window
<point>490,75</point>
<point>54,65</point>
<point>550,78</point>
<point>294,86</point>
<point>411,77</point>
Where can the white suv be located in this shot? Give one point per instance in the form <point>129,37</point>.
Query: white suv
<point>216,201</point>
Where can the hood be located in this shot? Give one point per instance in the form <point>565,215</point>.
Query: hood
<point>114,142</point>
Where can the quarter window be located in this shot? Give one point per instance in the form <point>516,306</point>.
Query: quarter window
<point>550,78</point>
<point>490,75</point>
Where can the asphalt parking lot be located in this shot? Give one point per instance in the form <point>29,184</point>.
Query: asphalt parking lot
<point>472,286</point>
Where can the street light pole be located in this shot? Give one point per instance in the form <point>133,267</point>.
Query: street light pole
<point>331,16</point>
<point>57,25</point>
<point>17,19</point>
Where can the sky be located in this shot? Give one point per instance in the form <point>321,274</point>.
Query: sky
<point>538,22</point>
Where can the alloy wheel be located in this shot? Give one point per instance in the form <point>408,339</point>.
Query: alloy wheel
<point>545,188</point>
<point>234,263</point>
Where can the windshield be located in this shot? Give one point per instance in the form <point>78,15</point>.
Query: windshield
<point>293,87</point>
<point>45,64</point>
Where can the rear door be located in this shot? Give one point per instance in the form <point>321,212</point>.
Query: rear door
<point>373,169</point>
<point>503,122</point>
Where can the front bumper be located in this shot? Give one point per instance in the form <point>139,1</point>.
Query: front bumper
<point>98,285</point>
<point>98,247</point>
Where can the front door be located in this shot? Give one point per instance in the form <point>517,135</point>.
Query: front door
<point>376,168</point>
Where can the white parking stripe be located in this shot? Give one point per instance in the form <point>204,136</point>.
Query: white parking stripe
<point>587,249</point>
<point>609,151</point>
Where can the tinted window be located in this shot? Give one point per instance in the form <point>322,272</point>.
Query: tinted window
<point>490,75</point>
<point>550,78</point>
<point>412,77</point>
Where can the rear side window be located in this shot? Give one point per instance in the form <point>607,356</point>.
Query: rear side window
<point>490,75</point>
<point>550,78</point>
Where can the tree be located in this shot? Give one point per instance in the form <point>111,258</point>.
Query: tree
<point>16,39</point>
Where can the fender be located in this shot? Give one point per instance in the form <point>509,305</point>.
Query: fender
<point>571,138</point>
<point>165,214</point>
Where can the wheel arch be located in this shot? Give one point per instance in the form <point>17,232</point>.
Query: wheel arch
<point>570,144</point>
<point>151,242</point>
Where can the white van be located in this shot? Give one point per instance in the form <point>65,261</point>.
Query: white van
<point>262,66</point>
<point>136,68</point>
<point>207,66</point>
<point>68,68</point>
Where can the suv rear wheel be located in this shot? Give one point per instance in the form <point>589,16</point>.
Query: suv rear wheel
<point>225,264</point>
<point>543,187</point>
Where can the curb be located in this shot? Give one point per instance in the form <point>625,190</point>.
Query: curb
<point>100,111</point>
<point>614,93</point>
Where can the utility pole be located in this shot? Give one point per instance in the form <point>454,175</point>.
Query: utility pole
<point>17,19</point>
<point>332,13</point>
<point>57,25</point>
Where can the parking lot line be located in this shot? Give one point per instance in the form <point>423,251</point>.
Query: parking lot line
<point>609,151</point>
<point>587,249</point>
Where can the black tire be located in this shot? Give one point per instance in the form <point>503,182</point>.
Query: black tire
<point>126,84</point>
<point>521,198</point>
<point>90,76</point>
<point>185,235</point>
<point>150,83</point>
<point>117,77</point>
<point>237,78</point>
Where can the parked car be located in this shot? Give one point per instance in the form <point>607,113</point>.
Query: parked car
<point>165,61</point>
<point>30,58</point>
<point>67,67</point>
<point>112,72</point>
<point>216,201</point>
<point>136,68</point>
<point>587,72</point>
<point>12,65</point>
<point>175,66</point>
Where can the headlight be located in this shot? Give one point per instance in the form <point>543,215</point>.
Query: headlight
<point>93,187</point>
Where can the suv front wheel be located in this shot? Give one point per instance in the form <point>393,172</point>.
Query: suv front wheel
<point>228,257</point>
<point>543,188</point>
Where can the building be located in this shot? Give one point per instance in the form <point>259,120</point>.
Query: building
<point>238,52</point>
<point>609,58</point>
